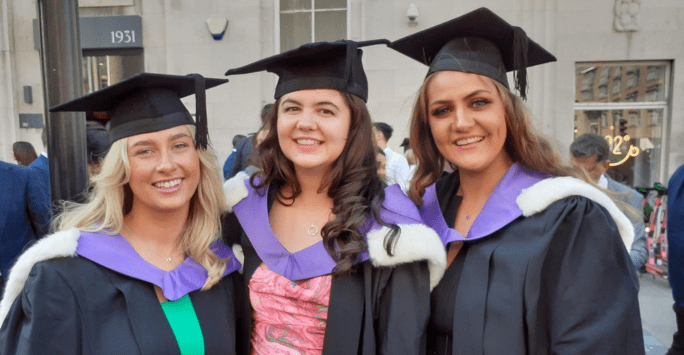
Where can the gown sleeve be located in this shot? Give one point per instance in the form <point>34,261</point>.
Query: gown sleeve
<point>231,230</point>
<point>587,284</point>
<point>44,319</point>
<point>402,308</point>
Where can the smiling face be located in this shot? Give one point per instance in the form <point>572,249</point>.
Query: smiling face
<point>165,169</point>
<point>467,120</point>
<point>312,127</point>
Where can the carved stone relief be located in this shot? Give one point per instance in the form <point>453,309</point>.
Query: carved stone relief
<point>627,15</point>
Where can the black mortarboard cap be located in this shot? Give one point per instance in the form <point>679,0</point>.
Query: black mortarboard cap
<point>319,65</point>
<point>478,42</point>
<point>147,103</point>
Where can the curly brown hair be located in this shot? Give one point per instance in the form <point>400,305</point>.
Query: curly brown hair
<point>352,181</point>
<point>523,144</point>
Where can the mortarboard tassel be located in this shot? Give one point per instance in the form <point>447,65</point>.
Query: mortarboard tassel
<point>202,130</point>
<point>520,46</point>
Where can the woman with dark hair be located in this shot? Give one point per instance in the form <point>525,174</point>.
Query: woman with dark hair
<point>334,262</point>
<point>138,268</point>
<point>537,258</point>
<point>24,153</point>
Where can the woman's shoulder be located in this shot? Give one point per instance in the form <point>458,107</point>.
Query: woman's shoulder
<point>564,190</point>
<point>44,255</point>
<point>236,189</point>
<point>416,242</point>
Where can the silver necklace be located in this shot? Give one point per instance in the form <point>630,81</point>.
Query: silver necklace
<point>168,259</point>
<point>313,229</point>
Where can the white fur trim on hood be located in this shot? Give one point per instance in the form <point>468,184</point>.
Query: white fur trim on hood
<point>416,242</point>
<point>240,255</point>
<point>235,190</point>
<point>56,245</point>
<point>539,196</point>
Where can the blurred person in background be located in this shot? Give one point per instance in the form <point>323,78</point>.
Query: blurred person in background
<point>97,146</point>
<point>24,215</point>
<point>245,148</point>
<point>592,152</point>
<point>228,165</point>
<point>382,164</point>
<point>397,171</point>
<point>24,153</point>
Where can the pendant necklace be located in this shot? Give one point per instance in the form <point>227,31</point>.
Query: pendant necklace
<point>168,259</point>
<point>472,213</point>
<point>313,228</point>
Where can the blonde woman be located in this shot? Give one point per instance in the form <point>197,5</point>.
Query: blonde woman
<point>136,269</point>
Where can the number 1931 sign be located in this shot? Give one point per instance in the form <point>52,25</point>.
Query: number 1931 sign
<point>111,32</point>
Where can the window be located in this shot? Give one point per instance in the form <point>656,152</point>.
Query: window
<point>654,73</point>
<point>306,21</point>
<point>617,85</point>
<point>632,119</point>
<point>603,91</point>
<point>588,76</point>
<point>654,93</point>
<point>100,71</point>
<point>632,77</point>
<point>605,73</point>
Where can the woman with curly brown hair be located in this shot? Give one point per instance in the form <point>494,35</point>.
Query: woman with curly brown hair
<point>334,262</point>
<point>537,258</point>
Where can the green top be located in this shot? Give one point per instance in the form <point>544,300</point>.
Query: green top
<point>185,326</point>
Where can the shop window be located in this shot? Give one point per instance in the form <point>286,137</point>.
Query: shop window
<point>305,21</point>
<point>632,119</point>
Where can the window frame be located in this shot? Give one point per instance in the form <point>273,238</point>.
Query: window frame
<point>313,11</point>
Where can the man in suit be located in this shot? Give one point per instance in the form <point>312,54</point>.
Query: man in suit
<point>24,212</point>
<point>42,166</point>
<point>592,152</point>
<point>397,169</point>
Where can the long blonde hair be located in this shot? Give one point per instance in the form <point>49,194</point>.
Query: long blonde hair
<point>523,144</point>
<point>111,200</point>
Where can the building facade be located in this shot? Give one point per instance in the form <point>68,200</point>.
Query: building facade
<point>617,72</point>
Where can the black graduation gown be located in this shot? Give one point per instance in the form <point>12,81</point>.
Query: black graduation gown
<point>373,310</point>
<point>557,282</point>
<point>72,305</point>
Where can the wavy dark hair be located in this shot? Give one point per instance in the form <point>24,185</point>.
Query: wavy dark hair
<point>523,144</point>
<point>352,181</point>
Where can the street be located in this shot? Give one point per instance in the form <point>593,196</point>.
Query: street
<point>657,316</point>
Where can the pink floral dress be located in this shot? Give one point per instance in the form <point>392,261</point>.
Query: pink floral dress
<point>289,316</point>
